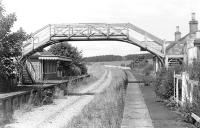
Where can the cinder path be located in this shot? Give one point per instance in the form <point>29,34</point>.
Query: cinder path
<point>161,116</point>
<point>136,114</point>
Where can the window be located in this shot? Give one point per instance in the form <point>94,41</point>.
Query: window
<point>50,66</point>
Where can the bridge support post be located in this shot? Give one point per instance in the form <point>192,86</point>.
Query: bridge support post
<point>156,64</point>
<point>166,62</point>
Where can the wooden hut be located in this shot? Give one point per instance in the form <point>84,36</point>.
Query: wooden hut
<point>44,66</point>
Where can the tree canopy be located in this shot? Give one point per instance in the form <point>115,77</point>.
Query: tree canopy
<point>10,44</point>
<point>77,66</point>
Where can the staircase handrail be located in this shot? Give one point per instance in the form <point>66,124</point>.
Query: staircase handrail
<point>31,70</point>
<point>34,36</point>
<point>141,31</point>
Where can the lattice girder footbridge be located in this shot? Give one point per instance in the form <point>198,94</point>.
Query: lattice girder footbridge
<point>56,33</point>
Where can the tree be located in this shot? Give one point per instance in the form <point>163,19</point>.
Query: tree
<point>10,44</point>
<point>77,66</point>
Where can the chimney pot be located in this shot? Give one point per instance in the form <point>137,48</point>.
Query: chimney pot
<point>193,16</point>
<point>177,34</point>
<point>177,28</point>
<point>193,24</point>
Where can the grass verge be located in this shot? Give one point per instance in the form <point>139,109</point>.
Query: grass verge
<point>75,87</point>
<point>96,71</point>
<point>106,110</point>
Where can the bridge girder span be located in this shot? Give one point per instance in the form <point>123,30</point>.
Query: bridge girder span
<point>52,34</point>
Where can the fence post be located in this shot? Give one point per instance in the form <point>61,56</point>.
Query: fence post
<point>177,92</point>
<point>184,87</point>
<point>191,93</point>
<point>174,86</point>
<point>187,93</point>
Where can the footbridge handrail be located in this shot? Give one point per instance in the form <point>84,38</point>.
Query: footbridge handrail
<point>54,33</point>
<point>151,36</point>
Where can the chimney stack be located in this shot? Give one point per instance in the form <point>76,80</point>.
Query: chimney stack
<point>193,24</point>
<point>177,34</point>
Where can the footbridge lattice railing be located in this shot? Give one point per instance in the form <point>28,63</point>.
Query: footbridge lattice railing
<point>55,33</point>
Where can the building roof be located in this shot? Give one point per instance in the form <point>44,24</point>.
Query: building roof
<point>173,43</point>
<point>197,41</point>
<point>45,55</point>
<point>183,39</point>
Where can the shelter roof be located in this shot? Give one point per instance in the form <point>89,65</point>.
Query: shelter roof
<point>45,55</point>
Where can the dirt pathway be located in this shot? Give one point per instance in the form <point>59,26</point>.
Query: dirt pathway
<point>161,116</point>
<point>57,115</point>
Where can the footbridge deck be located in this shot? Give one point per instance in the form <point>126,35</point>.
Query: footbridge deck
<point>125,32</point>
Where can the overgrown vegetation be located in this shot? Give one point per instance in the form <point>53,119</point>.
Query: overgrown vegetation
<point>164,85</point>
<point>164,88</point>
<point>41,96</point>
<point>139,63</point>
<point>77,66</point>
<point>194,70</point>
<point>10,46</point>
<point>163,81</point>
<point>106,110</point>
<point>75,87</point>
<point>194,74</point>
<point>38,97</point>
<point>148,70</point>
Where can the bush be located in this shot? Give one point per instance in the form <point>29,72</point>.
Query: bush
<point>194,70</point>
<point>186,110</point>
<point>77,66</point>
<point>148,69</point>
<point>164,86</point>
<point>41,96</point>
<point>10,47</point>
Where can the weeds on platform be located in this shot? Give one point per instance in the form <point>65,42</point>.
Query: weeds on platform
<point>106,110</point>
<point>164,87</point>
<point>74,86</point>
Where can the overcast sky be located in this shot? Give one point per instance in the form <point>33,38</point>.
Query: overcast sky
<point>159,17</point>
